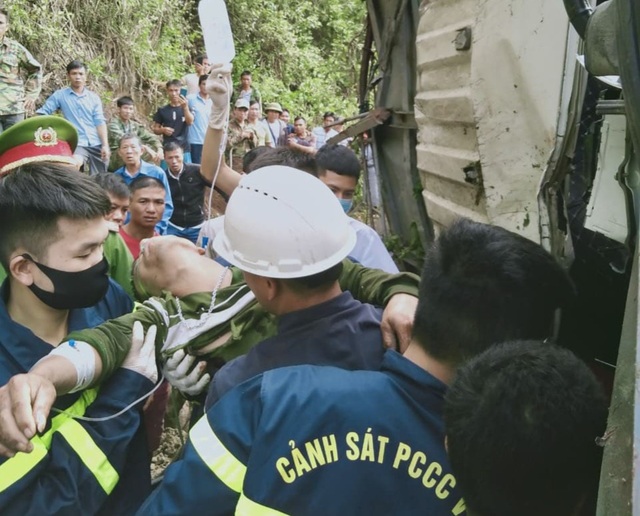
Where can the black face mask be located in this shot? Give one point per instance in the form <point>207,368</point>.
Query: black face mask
<point>71,290</point>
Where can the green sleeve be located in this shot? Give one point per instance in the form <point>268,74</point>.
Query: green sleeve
<point>375,286</point>
<point>3,274</point>
<point>120,261</point>
<point>182,323</point>
<point>148,138</point>
<point>114,133</point>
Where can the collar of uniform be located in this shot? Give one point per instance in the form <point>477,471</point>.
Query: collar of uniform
<point>420,383</point>
<point>313,313</point>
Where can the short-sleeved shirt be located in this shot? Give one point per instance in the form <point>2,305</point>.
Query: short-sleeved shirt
<point>20,77</point>
<point>173,116</point>
<point>200,108</point>
<point>83,110</point>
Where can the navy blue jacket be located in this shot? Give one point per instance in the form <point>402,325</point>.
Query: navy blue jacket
<point>341,332</point>
<point>318,441</point>
<point>77,467</point>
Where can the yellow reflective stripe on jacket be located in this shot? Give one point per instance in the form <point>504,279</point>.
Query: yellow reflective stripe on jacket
<point>15,468</point>
<point>247,507</point>
<point>90,453</point>
<point>215,455</point>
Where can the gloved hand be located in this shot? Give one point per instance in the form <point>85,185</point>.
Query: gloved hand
<point>142,355</point>
<point>176,371</point>
<point>220,89</point>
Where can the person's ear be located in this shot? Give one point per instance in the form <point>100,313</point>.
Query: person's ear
<point>272,288</point>
<point>21,269</point>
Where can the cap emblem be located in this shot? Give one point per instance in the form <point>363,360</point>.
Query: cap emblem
<point>46,137</point>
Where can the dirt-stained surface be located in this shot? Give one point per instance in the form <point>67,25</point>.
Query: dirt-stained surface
<point>170,444</point>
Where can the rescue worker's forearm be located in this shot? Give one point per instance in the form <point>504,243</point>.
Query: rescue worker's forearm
<point>375,286</point>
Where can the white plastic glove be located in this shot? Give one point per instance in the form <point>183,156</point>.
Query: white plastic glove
<point>142,355</point>
<point>220,89</point>
<point>176,371</point>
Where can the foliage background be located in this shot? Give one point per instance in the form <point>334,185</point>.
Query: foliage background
<point>304,54</point>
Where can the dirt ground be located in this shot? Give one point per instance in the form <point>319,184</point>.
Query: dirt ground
<point>171,443</point>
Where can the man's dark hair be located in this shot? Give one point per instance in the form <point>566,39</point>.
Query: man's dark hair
<point>482,285</point>
<point>320,281</point>
<point>522,421</point>
<point>174,82</point>
<point>129,136</point>
<point>299,118</point>
<point>33,198</point>
<point>287,157</point>
<point>172,146</point>
<point>250,157</point>
<point>339,159</point>
<point>141,182</point>
<point>285,110</point>
<point>124,101</point>
<point>253,102</point>
<point>200,59</point>
<point>112,184</point>
<point>328,114</point>
<point>202,78</point>
<point>3,10</point>
<point>75,64</point>
<point>245,73</point>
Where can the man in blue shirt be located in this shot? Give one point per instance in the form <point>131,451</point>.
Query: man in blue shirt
<point>83,109</point>
<point>200,105</point>
<point>51,237</point>
<point>130,151</point>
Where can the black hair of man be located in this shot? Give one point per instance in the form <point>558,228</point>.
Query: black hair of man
<point>253,102</point>
<point>328,114</point>
<point>35,196</point>
<point>250,157</point>
<point>171,146</point>
<point>285,110</point>
<point>173,82</point>
<point>124,101</point>
<point>299,118</point>
<point>287,157</point>
<point>129,136</point>
<point>481,285</point>
<point>3,10</point>
<point>202,78</point>
<point>200,59</point>
<point>245,73</point>
<point>522,420</point>
<point>339,159</point>
<point>112,184</point>
<point>316,282</point>
<point>141,182</point>
<point>75,65</point>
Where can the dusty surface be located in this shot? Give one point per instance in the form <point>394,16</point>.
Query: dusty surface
<point>170,444</point>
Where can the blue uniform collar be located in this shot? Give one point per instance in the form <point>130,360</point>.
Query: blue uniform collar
<point>416,380</point>
<point>313,313</point>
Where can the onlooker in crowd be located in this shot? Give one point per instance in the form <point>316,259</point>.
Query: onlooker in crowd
<point>146,209</point>
<point>187,193</point>
<point>322,134</point>
<point>114,248</point>
<point>200,106</point>
<point>123,123</point>
<point>173,120</point>
<point>273,124</point>
<point>285,116</point>
<point>20,77</point>
<point>83,109</point>
<point>246,91</point>
<point>339,127</point>
<point>192,80</point>
<point>301,139</point>
<point>131,153</point>
<point>339,169</point>
<point>263,137</point>
<point>288,437</point>
<point>51,239</point>
<point>522,421</point>
<point>241,139</point>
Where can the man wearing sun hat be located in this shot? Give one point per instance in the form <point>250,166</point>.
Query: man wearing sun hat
<point>273,124</point>
<point>52,229</point>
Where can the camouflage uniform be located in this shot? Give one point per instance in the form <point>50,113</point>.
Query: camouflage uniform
<point>20,78</point>
<point>237,145</point>
<point>116,129</point>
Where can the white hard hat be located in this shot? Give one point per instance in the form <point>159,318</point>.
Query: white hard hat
<point>284,223</point>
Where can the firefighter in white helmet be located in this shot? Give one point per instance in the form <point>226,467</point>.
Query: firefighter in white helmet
<point>288,234</point>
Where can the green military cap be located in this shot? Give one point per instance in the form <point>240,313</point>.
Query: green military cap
<point>40,138</point>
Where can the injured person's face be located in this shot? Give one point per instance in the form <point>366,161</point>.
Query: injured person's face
<point>176,265</point>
